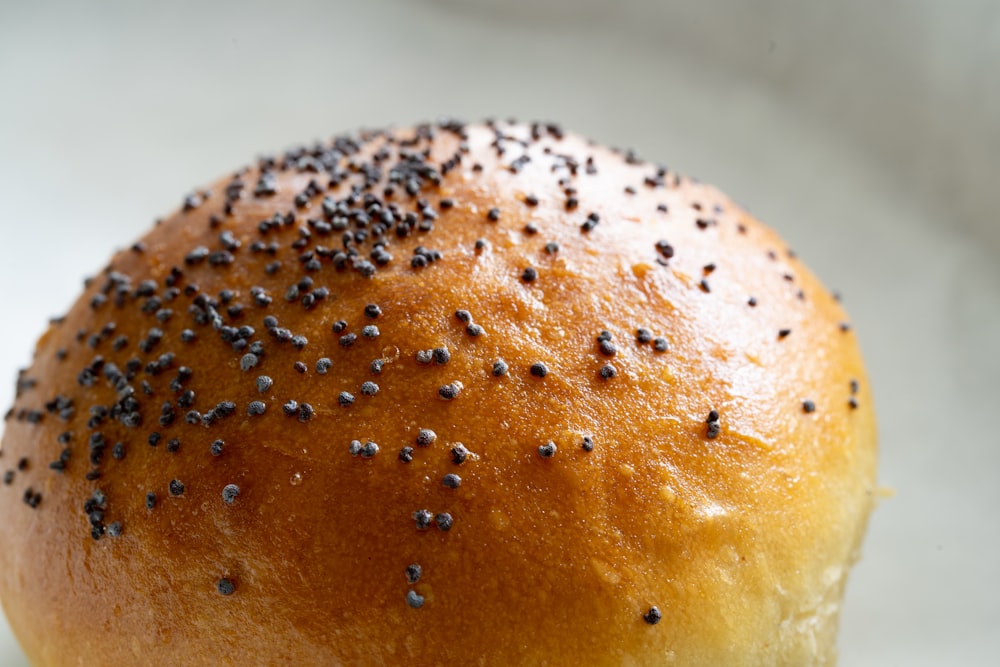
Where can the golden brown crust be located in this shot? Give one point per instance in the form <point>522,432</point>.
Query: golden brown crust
<point>742,541</point>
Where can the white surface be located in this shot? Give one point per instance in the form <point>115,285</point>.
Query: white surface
<point>112,111</point>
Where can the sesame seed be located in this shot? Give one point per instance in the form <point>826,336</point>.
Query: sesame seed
<point>415,600</point>
<point>229,493</point>
<point>539,370</point>
<point>444,521</point>
<point>176,487</point>
<point>499,368</point>
<point>652,616</point>
<point>548,450</point>
<point>413,573</point>
<point>426,437</point>
<point>451,481</point>
<point>226,587</point>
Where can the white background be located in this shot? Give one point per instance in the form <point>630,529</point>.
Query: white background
<point>867,133</point>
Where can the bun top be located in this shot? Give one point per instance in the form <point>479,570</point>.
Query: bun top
<point>483,394</point>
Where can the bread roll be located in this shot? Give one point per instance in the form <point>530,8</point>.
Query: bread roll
<point>449,395</point>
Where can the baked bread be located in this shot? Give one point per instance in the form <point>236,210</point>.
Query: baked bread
<point>457,394</point>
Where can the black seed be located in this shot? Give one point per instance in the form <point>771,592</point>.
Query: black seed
<point>474,330</point>
<point>291,408</point>
<point>300,367</point>
<point>339,326</point>
<point>370,331</point>
<point>660,344</point>
<point>372,310</point>
<point>643,336</point>
<point>150,500</point>
<point>115,529</point>
<point>783,333</point>
<point>413,573</point>
<point>216,447</point>
<point>459,453</point>
<point>652,616</point>
<point>248,361</point>
<point>548,450</point>
<point>406,454</point>
<point>607,347</point>
<point>423,519</point>
<point>463,315</point>
<point>808,406</point>
<point>229,493</point>
<point>441,355</point>
<point>426,437</point>
<point>444,521</point>
<point>449,391</point>
<point>348,339</point>
<point>608,371</point>
<point>451,481</point>
<point>306,412</point>
<point>539,370</point>
<point>369,388</point>
<point>415,600</point>
<point>226,587</point>
<point>323,365</point>
<point>499,368</point>
<point>529,275</point>
<point>424,356</point>
<point>551,247</point>
<point>264,383</point>
<point>176,487</point>
<point>587,444</point>
<point>852,403</point>
<point>345,398</point>
<point>493,214</point>
<point>255,408</point>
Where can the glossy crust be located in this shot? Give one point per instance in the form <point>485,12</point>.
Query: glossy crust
<point>742,541</point>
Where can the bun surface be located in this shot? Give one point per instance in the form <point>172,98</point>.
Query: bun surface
<point>484,394</point>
